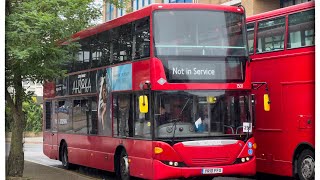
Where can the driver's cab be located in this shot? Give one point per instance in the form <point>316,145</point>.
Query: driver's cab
<point>200,113</point>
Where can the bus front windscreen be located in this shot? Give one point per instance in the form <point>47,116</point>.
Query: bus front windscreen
<point>199,33</point>
<point>191,114</point>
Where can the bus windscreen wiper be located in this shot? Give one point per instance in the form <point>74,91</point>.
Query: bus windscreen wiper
<point>184,106</point>
<point>176,120</point>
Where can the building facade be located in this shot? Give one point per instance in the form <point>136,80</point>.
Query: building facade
<point>252,6</point>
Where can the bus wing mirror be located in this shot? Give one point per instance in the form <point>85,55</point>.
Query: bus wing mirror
<point>143,104</point>
<point>266,102</point>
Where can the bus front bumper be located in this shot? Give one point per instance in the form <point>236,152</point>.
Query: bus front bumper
<point>163,171</point>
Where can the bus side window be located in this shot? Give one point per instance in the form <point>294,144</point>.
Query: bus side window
<point>93,120</point>
<point>48,113</point>
<point>122,120</point>
<point>96,53</point>
<point>125,42</point>
<point>141,38</point>
<point>80,115</point>
<point>270,35</point>
<point>114,46</point>
<point>79,61</point>
<point>142,122</point>
<point>250,29</point>
<point>64,121</point>
<point>104,45</point>
<point>301,29</point>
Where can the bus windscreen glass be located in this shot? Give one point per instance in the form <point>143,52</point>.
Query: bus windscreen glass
<point>202,113</point>
<point>199,33</point>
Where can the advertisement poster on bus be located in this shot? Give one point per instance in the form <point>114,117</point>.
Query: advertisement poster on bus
<point>104,96</point>
<point>121,77</point>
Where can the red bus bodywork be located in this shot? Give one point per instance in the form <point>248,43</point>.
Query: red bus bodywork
<point>100,151</point>
<point>288,129</point>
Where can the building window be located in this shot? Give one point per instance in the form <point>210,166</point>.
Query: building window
<point>107,11</point>
<point>135,5</point>
<point>110,11</point>
<point>140,5</point>
<point>232,3</point>
<point>145,3</point>
<point>177,1</point>
<point>286,3</point>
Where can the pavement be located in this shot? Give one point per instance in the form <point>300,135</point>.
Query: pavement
<point>35,171</point>
<point>30,140</point>
<point>39,170</point>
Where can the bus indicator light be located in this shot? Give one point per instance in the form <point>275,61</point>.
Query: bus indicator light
<point>254,145</point>
<point>158,150</point>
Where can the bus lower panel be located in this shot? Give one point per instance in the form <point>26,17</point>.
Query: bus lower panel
<point>163,171</point>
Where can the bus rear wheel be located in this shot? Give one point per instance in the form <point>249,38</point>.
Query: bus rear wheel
<point>124,173</point>
<point>306,165</point>
<point>64,157</point>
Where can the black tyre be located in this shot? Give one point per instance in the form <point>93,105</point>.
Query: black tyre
<point>123,172</point>
<point>306,165</point>
<point>64,157</point>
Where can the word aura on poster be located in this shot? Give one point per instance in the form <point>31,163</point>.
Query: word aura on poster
<point>82,83</point>
<point>81,86</point>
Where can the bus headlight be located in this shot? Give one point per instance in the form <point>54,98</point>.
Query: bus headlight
<point>174,163</point>
<point>243,160</point>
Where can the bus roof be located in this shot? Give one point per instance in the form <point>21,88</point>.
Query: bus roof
<point>278,12</point>
<point>146,11</point>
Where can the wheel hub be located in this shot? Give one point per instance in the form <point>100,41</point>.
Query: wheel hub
<point>307,168</point>
<point>125,166</point>
<point>65,158</point>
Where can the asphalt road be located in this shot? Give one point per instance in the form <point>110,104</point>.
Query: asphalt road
<point>34,153</point>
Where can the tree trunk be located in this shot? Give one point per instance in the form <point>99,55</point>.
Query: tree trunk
<point>15,162</point>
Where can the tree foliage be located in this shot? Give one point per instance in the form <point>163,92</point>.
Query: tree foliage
<point>34,31</point>
<point>33,115</point>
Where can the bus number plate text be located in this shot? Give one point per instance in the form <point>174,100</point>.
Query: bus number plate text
<point>212,171</point>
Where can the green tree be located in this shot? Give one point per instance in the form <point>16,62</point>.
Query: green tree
<point>33,115</point>
<point>34,29</point>
<point>8,118</point>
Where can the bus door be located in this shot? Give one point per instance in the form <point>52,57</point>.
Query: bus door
<point>47,138</point>
<point>54,131</point>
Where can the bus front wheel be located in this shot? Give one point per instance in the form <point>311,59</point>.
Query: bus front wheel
<point>123,171</point>
<point>306,165</point>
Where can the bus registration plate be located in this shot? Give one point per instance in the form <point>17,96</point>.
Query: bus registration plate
<point>212,171</point>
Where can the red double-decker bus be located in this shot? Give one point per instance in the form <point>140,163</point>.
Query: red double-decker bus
<point>282,48</point>
<point>162,92</point>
